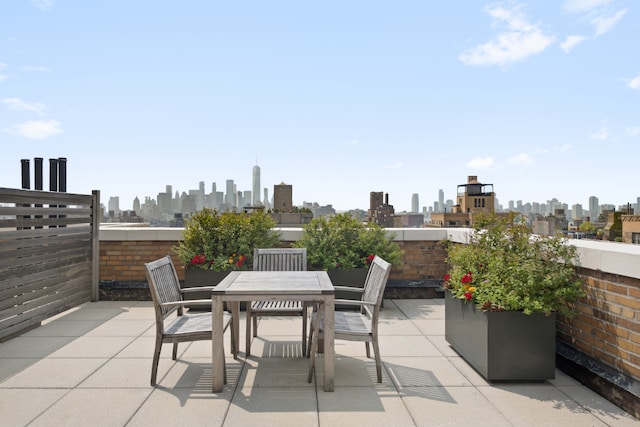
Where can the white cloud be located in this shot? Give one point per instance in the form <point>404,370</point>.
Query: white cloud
<point>563,148</point>
<point>571,42</point>
<point>604,24</point>
<point>634,83</point>
<point>43,4</point>
<point>601,134</point>
<point>520,41</point>
<point>353,142</point>
<point>17,104</point>
<point>522,159</point>
<point>3,76</point>
<point>37,129</point>
<point>396,165</point>
<point>36,68</point>
<point>633,131</point>
<point>580,6</point>
<point>481,163</point>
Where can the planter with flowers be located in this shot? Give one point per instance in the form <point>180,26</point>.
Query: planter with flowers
<point>345,246</point>
<point>216,243</point>
<point>504,289</point>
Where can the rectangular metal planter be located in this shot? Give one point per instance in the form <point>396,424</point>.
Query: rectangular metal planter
<point>502,346</point>
<point>353,278</point>
<point>194,277</point>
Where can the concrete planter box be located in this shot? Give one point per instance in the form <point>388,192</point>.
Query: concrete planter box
<point>502,346</point>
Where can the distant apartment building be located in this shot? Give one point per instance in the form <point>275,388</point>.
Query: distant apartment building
<point>380,211</point>
<point>410,220</point>
<point>472,198</point>
<point>283,211</point>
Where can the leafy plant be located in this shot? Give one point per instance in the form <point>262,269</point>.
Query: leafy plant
<point>224,241</point>
<point>343,242</point>
<point>504,267</point>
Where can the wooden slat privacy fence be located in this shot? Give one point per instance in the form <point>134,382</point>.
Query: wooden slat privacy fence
<point>48,255</point>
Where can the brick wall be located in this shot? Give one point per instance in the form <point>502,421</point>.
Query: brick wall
<point>123,261</point>
<point>607,324</point>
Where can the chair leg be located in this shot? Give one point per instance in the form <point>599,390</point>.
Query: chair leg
<point>376,352</point>
<point>174,355</point>
<point>309,341</point>
<point>248,331</point>
<point>224,365</point>
<point>314,336</point>
<point>255,326</point>
<point>156,359</point>
<point>313,346</point>
<point>304,329</point>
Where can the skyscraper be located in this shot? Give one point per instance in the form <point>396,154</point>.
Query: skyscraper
<point>440,200</point>
<point>230,195</point>
<point>256,186</point>
<point>415,204</point>
<point>594,208</point>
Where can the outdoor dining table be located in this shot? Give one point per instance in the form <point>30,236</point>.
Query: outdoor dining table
<point>311,286</point>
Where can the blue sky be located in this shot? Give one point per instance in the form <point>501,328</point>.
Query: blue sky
<point>337,98</point>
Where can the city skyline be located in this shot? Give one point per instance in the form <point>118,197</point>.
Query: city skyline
<point>440,201</point>
<point>538,98</point>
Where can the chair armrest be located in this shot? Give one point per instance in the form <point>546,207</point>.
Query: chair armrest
<point>354,303</point>
<point>349,289</point>
<point>196,289</point>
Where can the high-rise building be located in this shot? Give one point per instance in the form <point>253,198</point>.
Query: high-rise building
<point>265,199</point>
<point>415,204</point>
<point>594,208</point>
<point>440,207</point>
<point>114,205</point>
<point>230,195</point>
<point>576,211</point>
<point>256,185</point>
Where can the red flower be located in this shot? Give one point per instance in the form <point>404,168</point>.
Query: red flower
<point>369,259</point>
<point>468,296</point>
<point>447,277</point>
<point>467,278</point>
<point>198,259</point>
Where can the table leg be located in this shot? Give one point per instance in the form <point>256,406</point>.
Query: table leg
<point>329,349</point>
<point>217,367</point>
<point>235,329</point>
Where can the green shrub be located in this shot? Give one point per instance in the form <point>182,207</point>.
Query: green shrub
<point>343,242</point>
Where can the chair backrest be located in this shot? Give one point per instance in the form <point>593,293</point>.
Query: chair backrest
<point>377,277</point>
<point>280,259</point>
<point>163,285</point>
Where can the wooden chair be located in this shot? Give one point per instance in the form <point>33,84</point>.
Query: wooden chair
<point>167,299</point>
<point>356,326</point>
<point>277,259</point>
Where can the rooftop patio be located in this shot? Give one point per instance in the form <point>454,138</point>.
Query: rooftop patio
<point>91,366</point>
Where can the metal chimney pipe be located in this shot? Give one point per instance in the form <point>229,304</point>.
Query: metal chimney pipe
<point>38,173</point>
<point>62,174</point>
<point>26,181</point>
<point>53,174</point>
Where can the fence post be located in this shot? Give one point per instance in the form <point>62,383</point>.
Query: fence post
<point>95,261</point>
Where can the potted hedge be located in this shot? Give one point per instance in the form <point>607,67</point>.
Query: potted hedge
<point>216,243</point>
<point>504,290</point>
<point>344,246</point>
